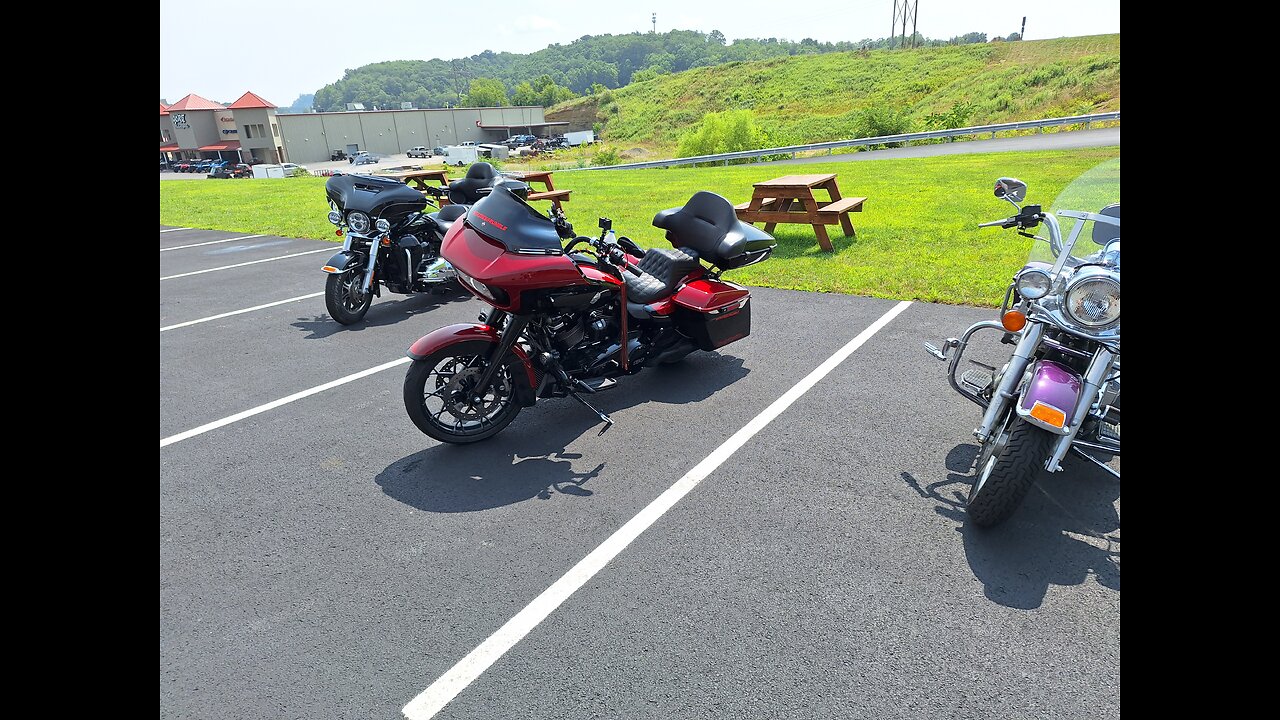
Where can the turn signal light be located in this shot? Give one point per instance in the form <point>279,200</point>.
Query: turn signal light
<point>386,242</point>
<point>1013,320</point>
<point>338,232</point>
<point>1048,414</point>
<point>329,269</point>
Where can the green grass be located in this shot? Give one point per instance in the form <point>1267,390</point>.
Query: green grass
<point>917,236</point>
<point>815,98</point>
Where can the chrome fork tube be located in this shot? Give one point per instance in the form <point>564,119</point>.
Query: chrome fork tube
<point>1012,376</point>
<point>1089,392</point>
<point>368,271</point>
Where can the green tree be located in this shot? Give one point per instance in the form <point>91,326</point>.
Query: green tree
<point>722,132</point>
<point>486,92</point>
<point>524,94</point>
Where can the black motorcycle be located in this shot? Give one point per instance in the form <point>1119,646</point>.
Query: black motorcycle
<point>382,213</point>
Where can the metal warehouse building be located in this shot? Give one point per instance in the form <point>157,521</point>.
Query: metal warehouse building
<point>251,128</point>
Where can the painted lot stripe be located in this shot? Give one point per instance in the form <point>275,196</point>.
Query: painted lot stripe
<point>239,312</point>
<point>211,242</point>
<point>456,679</point>
<point>278,403</point>
<point>174,230</point>
<point>251,262</point>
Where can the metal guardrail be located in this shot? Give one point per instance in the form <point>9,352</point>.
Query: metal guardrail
<point>928,135</point>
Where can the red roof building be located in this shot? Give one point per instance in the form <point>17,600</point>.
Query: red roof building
<point>194,102</point>
<point>251,101</point>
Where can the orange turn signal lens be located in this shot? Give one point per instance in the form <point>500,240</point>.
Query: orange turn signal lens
<point>338,232</point>
<point>1013,320</point>
<point>1048,414</point>
<point>329,269</point>
<point>386,242</point>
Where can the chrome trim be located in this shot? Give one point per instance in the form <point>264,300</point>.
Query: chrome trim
<point>1090,392</point>
<point>1080,277</point>
<point>368,272</point>
<point>1012,378</point>
<point>1095,461</point>
<point>1026,415</point>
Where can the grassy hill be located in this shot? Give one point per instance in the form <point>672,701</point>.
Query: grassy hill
<point>820,97</point>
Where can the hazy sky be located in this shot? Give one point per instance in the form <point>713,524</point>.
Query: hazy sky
<point>283,48</point>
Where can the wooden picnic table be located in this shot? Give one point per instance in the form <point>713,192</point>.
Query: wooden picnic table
<point>790,199</point>
<point>419,178</point>
<point>542,177</point>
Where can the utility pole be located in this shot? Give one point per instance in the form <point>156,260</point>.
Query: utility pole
<point>906,10</point>
<point>1023,35</point>
<point>655,23</point>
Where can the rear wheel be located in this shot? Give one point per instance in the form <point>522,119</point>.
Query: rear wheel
<point>441,397</point>
<point>345,298</point>
<point>1010,461</point>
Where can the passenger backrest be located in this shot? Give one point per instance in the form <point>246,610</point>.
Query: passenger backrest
<point>701,224</point>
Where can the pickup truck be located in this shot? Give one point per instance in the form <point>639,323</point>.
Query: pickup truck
<point>420,151</point>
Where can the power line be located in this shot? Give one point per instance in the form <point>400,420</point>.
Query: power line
<point>906,11</point>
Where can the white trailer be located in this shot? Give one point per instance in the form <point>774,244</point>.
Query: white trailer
<point>582,137</point>
<point>497,152</point>
<point>460,155</point>
<point>268,171</point>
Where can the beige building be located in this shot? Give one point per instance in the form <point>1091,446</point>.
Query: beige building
<point>250,130</point>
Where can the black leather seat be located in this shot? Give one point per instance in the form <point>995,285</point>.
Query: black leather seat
<point>467,190</point>
<point>663,270</point>
<point>708,225</point>
<point>446,215</point>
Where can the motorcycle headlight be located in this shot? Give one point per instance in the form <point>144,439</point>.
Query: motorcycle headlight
<point>358,222</point>
<point>1034,284</point>
<point>383,226</point>
<point>1094,301</point>
<point>335,217</point>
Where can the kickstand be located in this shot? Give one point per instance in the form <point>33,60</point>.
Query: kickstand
<point>608,423</point>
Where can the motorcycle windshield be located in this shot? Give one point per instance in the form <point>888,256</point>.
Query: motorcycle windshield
<point>504,217</point>
<point>1083,240</point>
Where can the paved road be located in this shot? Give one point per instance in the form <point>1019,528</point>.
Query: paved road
<point>1104,137</point>
<point>324,559</point>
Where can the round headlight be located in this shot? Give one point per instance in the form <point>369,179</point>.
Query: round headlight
<point>1034,284</point>
<point>383,226</point>
<point>335,217</point>
<point>1094,301</point>
<point>358,222</point>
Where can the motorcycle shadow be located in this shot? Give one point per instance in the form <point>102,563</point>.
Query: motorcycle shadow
<point>381,313</point>
<point>530,458</point>
<point>1066,530</point>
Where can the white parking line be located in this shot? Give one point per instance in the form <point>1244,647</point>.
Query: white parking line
<point>251,262</point>
<point>277,403</point>
<point>211,242</point>
<point>174,230</point>
<point>446,688</point>
<point>238,312</point>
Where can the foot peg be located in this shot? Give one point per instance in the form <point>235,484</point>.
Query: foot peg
<point>941,354</point>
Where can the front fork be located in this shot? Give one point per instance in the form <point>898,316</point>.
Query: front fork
<point>368,271</point>
<point>1003,393</point>
<point>1090,392</point>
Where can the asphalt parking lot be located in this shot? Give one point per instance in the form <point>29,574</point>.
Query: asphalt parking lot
<point>324,559</point>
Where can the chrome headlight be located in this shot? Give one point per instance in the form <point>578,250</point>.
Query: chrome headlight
<point>1034,284</point>
<point>358,222</point>
<point>383,226</point>
<point>1093,299</point>
<point>335,217</point>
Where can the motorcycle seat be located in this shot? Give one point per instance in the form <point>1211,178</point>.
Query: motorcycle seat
<point>663,269</point>
<point>467,190</point>
<point>708,225</point>
<point>446,215</point>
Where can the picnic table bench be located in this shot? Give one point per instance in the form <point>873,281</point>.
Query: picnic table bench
<point>542,177</point>
<point>790,199</point>
<point>419,178</point>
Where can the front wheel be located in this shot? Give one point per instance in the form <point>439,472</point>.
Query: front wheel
<point>441,397</point>
<point>1010,461</point>
<point>344,296</point>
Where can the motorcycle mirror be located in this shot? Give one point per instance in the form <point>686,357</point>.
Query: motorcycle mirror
<point>1011,189</point>
<point>606,224</point>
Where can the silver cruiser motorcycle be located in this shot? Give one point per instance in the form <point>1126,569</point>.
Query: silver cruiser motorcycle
<point>1060,391</point>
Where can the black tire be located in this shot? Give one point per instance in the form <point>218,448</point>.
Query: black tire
<point>440,379</point>
<point>342,297</point>
<point>1003,477</point>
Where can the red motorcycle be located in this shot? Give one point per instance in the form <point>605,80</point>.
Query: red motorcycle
<point>567,320</point>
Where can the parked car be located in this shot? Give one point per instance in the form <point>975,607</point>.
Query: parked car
<point>516,141</point>
<point>242,170</point>
<point>556,143</point>
<point>182,166</point>
<point>291,168</point>
<point>203,166</point>
<point>365,159</point>
<point>420,151</point>
<point>437,150</point>
<point>352,158</point>
<point>338,155</point>
<point>218,169</point>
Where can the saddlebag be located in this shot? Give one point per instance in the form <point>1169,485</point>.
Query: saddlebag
<point>713,313</point>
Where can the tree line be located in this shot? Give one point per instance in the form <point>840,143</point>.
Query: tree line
<point>588,65</point>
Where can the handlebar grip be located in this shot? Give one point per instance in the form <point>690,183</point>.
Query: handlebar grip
<point>994,223</point>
